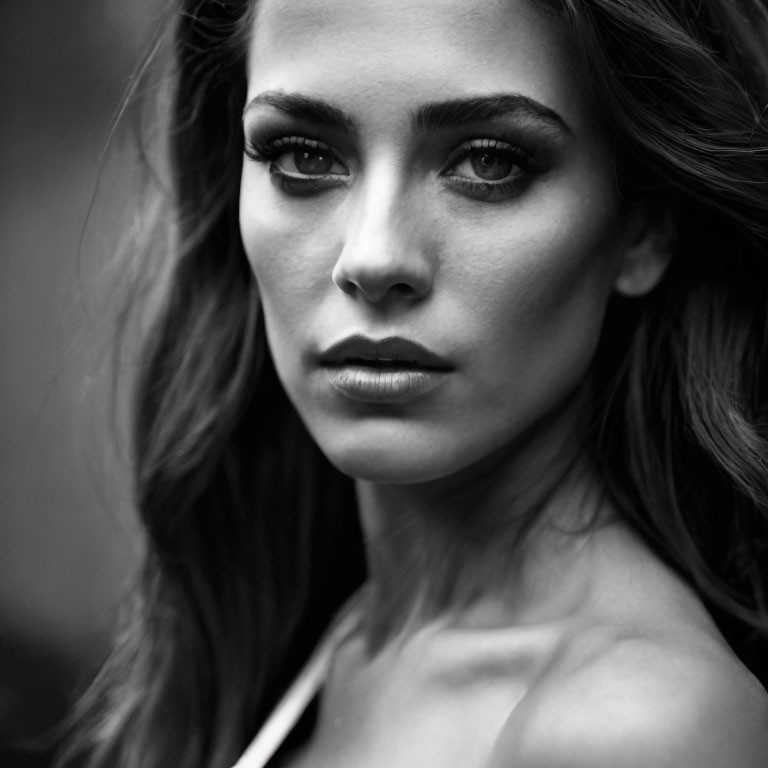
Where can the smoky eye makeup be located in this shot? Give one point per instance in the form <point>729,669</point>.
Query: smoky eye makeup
<point>298,163</point>
<point>489,164</point>
<point>492,169</point>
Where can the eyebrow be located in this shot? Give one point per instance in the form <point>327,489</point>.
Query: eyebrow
<point>434,116</point>
<point>305,108</point>
<point>457,112</point>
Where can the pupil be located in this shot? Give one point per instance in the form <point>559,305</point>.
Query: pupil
<point>491,167</point>
<point>312,163</point>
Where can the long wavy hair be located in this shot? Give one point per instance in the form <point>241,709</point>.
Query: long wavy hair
<point>252,541</point>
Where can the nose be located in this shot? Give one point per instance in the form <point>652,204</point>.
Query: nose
<point>385,254</point>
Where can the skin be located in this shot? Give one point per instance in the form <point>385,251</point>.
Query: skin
<point>511,293</point>
<point>486,662</point>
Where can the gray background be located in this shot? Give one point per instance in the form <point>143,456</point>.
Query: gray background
<point>68,545</point>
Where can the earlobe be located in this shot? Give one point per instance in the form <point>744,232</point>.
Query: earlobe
<point>647,254</point>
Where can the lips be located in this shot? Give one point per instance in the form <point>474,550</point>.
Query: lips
<point>383,373</point>
<point>394,353</point>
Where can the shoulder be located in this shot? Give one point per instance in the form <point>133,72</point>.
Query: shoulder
<point>638,704</point>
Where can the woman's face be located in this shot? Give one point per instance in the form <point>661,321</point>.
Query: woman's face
<point>424,172</point>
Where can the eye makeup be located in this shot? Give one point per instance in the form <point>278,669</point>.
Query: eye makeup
<point>299,164</point>
<point>495,164</point>
<point>490,169</point>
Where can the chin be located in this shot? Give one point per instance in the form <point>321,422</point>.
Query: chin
<point>395,461</point>
<point>384,471</point>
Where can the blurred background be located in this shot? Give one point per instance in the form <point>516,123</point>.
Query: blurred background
<point>68,544</point>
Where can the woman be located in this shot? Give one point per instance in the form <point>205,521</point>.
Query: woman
<point>490,280</point>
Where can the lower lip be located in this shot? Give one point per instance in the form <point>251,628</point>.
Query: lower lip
<point>383,385</point>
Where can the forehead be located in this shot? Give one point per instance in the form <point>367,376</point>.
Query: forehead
<point>379,54</point>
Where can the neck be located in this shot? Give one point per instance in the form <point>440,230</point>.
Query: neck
<point>496,543</point>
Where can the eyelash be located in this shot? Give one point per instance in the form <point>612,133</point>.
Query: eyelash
<point>490,191</point>
<point>272,150</point>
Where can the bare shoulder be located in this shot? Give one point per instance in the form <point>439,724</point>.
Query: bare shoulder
<point>636,703</point>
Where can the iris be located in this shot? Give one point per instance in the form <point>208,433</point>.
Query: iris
<point>491,166</point>
<point>312,162</point>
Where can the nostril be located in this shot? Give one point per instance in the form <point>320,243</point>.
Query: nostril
<point>403,289</point>
<point>347,286</point>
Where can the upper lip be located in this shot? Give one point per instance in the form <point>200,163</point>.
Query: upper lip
<point>393,349</point>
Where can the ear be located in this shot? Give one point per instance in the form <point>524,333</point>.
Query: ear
<point>650,243</point>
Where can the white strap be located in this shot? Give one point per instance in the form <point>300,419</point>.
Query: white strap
<point>297,698</point>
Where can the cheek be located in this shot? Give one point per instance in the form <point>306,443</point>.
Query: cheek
<point>291,253</point>
<point>537,287</point>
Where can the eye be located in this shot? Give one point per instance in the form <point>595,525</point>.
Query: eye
<point>309,159</point>
<point>300,163</point>
<point>487,165</point>
<point>488,160</point>
<point>489,169</point>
